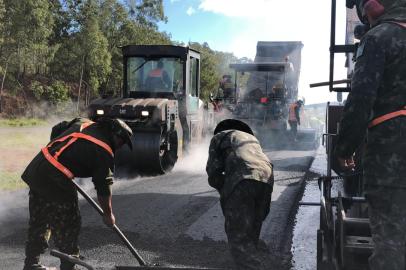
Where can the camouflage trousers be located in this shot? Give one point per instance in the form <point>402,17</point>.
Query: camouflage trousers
<point>244,211</point>
<point>293,129</point>
<point>387,214</point>
<point>61,220</point>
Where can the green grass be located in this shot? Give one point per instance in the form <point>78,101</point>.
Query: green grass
<point>18,145</point>
<point>11,181</point>
<point>22,122</point>
<point>25,140</point>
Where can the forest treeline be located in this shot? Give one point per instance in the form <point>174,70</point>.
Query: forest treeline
<point>56,50</point>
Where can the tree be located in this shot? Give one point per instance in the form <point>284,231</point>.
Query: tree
<point>76,43</point>
<point>2,20</point>
<point>147,12</point>
<point>214,65</point>
<point>62,22</point>
<point>120,29</point>
<point>95,56</point>
<point>3,70</point>
<point>29,28</point>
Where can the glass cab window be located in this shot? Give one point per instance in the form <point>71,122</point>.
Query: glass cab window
<point>155,75</point>
<point>194,76</point>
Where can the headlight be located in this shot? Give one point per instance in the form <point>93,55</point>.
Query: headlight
<point>100,112</point>
<point>145,113</point>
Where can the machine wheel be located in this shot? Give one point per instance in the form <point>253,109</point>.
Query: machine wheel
<point>153,153</point>
<point>322,259</point>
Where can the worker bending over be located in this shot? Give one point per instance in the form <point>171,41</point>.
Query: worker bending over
<point>243,175</point>
<point>79,148</point>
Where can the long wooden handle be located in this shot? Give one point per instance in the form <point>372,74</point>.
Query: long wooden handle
<point>140,260</point>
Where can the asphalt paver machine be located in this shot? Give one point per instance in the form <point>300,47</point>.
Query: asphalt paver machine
<point>262,95</point>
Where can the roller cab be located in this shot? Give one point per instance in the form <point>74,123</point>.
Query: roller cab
<point>160,102</point>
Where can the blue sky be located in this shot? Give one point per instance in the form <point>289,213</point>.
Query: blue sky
<point>186,22</point>
<point>236,26</point>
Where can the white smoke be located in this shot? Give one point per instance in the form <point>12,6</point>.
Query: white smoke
<point>195,160</point>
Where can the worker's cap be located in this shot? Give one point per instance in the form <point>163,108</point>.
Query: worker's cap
<point>376,8</point>
<point>233,124</point>
<point>358,4</point>
<point>118,128</point>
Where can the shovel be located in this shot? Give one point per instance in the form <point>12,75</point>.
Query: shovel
<point>143,264</point>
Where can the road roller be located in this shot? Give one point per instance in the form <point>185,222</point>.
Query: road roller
<point>160,102</point>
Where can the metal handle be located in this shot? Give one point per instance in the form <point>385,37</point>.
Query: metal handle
<point>115,228</point>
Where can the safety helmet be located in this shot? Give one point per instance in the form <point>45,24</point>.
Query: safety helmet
<point>119,128</point>
<point>367,8</point>
<point>300,102</point>
<point>232,124</point>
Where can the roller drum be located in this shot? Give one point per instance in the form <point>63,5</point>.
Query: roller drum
<point>153,153</point>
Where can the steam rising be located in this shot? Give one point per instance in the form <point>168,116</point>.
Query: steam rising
<point>195,160</point>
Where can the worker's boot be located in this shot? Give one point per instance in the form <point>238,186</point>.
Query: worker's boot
<point>32,263</point>
<point>37,266</point>
<point>65,265</point>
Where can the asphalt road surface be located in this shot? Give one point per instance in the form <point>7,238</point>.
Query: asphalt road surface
<point>173,219</point>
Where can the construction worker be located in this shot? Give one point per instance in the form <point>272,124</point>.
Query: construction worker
<point>158,78</point>
<point>294,117</point>
<point>79,148</point>
<point>227,87</point>
<point>278,91</point>
<point>375,110</point>
<point>243,175</point>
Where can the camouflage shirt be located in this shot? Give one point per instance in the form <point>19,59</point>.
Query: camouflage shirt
<point>378,88</point>
<point>235,156</point>
<point>82,158</point>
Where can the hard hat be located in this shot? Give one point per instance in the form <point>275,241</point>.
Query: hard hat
<point>367,8</point>
<point>118,128</point>
<point>232,124</point>
<point>301,102</point>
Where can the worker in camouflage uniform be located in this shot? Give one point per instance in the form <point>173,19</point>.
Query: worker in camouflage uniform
<point>79,148</point>
<point>243,175</point>
<point>375,110</point>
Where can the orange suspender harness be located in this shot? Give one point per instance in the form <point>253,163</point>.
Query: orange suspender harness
<point>73,138</point>
<point>387,117</point>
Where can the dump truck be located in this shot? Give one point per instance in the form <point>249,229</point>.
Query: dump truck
<point>160,102</point>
